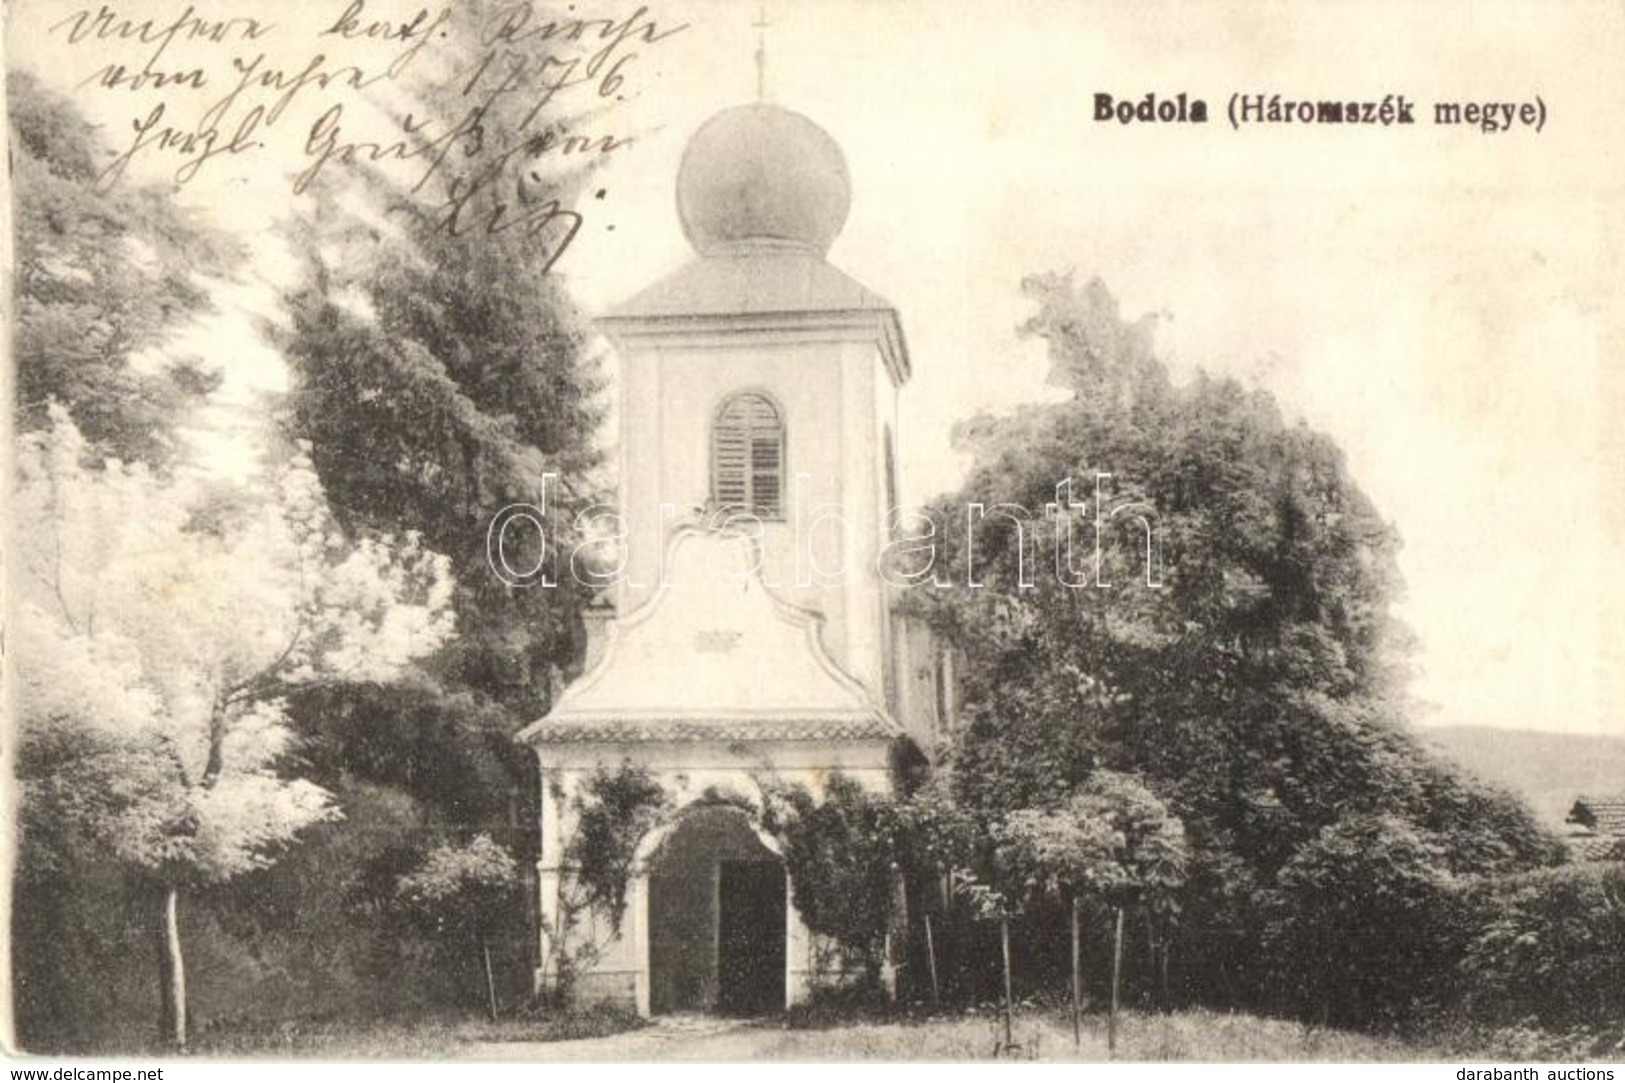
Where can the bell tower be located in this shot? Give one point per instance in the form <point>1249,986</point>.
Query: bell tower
<point>753,638</point>
<point>760,382</point>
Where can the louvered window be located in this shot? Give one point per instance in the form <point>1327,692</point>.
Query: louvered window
<point>747,456</point>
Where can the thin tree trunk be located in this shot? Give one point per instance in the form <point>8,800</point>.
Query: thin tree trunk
<point>1077,978</point>
<point>931,958</point>
<point>1151,958</point>
<point>171,972</point>
<point>1117,969</point>
<point>490,983</point>
<point>1162,976</point>
<point>1009,1003</point>
<point>888,970</point>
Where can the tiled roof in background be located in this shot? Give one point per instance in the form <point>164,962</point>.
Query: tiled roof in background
<point>1596,847</point>
<point>1604,814</point>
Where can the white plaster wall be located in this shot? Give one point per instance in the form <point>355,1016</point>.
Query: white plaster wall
<point>713,642</point>
<point>831,390</point>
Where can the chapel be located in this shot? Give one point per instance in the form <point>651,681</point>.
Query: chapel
<point>751,635</point>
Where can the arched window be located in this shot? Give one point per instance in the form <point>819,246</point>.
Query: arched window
<point>747,455</point>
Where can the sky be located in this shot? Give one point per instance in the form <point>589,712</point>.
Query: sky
<point>1441,301</point>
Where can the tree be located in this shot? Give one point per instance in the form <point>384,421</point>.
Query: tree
<point>1112,841</point>
<point>441,375</point>
<point>936,835</point>
<point>463,893</point>
<point>101,278</point>
<point>1063,853</point>
<point>158,635</point>
<point>1207,607</point>
<point>993,895</point>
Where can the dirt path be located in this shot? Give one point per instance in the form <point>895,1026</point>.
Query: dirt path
<point>671,1037</point>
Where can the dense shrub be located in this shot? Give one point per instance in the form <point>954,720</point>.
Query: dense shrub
<point>1551,948</point>
<point>312,939</point>
<point>1364,927</point>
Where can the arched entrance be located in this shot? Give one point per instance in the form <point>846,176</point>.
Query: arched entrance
<point>718,904</point>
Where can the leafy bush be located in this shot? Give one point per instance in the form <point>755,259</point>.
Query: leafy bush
<point>1113,838</point>
<point>829,1006</point>
<point>1551,948</point>
<point>462,889</point>
<point>1365,926</point>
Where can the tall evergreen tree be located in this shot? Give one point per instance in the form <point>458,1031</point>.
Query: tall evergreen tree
<point>100,278</point>
<point>442,372</point>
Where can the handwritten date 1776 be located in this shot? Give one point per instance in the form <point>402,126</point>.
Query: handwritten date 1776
<point>499,114</point>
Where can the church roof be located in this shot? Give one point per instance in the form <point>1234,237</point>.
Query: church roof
<point>753,278</point>
<point>714,655</point>
<point>760,283</point>
<point>614,730</point>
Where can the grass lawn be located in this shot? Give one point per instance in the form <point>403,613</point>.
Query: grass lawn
<point>1183,1036</point>
<point>1039,1035</point>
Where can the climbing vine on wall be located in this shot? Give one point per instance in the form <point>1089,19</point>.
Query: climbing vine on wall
<point>611,811</point>
<point>840,854</point>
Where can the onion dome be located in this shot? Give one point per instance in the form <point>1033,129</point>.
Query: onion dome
<point>761,175</point>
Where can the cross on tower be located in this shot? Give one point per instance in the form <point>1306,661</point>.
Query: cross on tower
<point>761,24</point>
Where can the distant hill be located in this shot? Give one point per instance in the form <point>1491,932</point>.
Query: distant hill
<point>1550,769</point>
